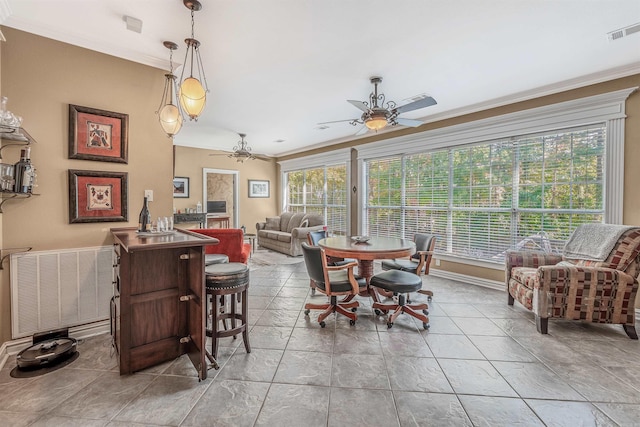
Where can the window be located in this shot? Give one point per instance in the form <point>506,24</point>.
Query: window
<point>321,190</point>
<point>481,199</point>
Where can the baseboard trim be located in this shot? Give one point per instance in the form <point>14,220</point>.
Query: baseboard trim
<point>13,347</point>
<point>472,280</point>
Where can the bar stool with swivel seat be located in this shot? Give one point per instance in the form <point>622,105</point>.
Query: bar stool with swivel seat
<point>221,280</point>
<point>400,283</point>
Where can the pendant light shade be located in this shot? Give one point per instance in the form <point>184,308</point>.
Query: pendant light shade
<point>193,89</point>
<point>169,113</point>
<point>193,97</point>
<point>170,119</point>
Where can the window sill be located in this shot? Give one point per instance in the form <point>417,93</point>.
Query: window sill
<point>469,261</point>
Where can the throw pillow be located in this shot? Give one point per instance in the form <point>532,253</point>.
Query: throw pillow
<point>273,223</point>
<point>304,223</point>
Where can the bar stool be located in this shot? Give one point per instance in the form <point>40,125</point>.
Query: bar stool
<point>210,259</point>
<point>222,280</point>
<point>401,283</point>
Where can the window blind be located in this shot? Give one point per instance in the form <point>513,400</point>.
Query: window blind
<point>482,199</point>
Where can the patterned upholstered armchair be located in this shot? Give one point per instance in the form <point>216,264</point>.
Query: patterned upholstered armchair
<point>558,286</point>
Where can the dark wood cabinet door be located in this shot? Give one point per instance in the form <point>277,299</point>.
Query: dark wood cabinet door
<point>196,311</point>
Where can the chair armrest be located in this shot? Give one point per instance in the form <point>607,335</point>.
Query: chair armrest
<point>260,226</point>
<point>532,259</point>
<point>355,288</point>
<point>342,267</point>
<point>561,286</point>
<point>303,232</point>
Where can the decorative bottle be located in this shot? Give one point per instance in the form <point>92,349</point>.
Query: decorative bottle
<point>199,207</point>
<point>144,220</point>
<point>23,172</point>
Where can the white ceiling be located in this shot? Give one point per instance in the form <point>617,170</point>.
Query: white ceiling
<point>276,68</point>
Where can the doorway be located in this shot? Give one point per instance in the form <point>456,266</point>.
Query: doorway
<point>221,185</point>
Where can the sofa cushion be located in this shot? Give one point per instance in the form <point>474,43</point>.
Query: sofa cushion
<point>284,237</point>
<point>273,223</point>
<point>294,222</point>
<point>273,234</point>
<point>285,217</point>
<point>314,219</point>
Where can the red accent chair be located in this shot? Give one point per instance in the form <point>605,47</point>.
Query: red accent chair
<point>231,243</point>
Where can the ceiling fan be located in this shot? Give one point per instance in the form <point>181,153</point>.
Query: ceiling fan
<point>242,152</point>
<point>377,114</point>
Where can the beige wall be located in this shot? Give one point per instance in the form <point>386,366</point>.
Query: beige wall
<point>42,77</point>
<point>191,161</point>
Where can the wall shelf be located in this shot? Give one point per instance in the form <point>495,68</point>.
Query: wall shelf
<point>9,195</point>
<point>15,134</point>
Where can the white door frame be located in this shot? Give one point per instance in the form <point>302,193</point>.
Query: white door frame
<point>236,179</point>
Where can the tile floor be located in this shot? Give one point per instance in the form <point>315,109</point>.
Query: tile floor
<point>482,363</point>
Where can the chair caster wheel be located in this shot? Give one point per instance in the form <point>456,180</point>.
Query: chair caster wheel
<point>352,322</point>
<point>322,324</point>
<point>354,309</point>
<point>429,298</point>
<point>425,326</point>
<point>426,312</point>
<point>377,312</point>
<point>389,325</point>
<point>313,291</point>
<point>306,312</point>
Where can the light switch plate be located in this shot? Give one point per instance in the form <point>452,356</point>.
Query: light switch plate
<point>149,195</point>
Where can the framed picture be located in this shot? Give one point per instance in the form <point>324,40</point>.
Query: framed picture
<point>180,187</point>
<point>258,188</point>
<point>97,196</point>
<point>97,134</point>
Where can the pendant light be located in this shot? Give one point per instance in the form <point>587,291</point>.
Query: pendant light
<point>169,113</point>
<point>193,95</point>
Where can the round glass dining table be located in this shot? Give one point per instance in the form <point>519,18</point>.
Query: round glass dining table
<point>366,253</point>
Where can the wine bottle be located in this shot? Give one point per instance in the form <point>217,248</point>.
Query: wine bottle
<point>23,172</point>
<point>144,219</point>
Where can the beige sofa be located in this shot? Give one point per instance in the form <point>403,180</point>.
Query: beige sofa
<point>285,233</point>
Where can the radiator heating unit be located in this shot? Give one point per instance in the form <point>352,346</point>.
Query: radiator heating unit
<point>62,288</point>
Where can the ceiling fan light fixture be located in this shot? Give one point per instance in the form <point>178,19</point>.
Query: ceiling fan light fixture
<point>193,89</point>
<point>169,114</point>
<point>377,120</point>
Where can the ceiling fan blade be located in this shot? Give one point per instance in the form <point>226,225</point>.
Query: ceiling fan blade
<point>362,131</point>
<point>336,121</point>
<point>415,105</point>
<point>359,105</point>
<point>409,122</point>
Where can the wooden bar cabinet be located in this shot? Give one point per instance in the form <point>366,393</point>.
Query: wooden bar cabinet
<point>158,310</point>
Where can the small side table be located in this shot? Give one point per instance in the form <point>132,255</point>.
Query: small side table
<point>252,239</point>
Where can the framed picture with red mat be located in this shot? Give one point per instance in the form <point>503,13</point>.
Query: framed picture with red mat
<point>98,134</point>
<point>96,196</point>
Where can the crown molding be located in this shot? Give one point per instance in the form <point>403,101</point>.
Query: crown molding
<point>95,44</point>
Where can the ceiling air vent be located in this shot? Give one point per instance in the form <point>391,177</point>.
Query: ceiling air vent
<point>623,32</point>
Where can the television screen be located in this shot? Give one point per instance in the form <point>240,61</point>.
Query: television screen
<point>216,206</point>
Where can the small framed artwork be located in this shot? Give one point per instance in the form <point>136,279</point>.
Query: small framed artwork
<point>258,188</point>
<point>96,196</point>
<point>98,134</point>
<point>180,187</point>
